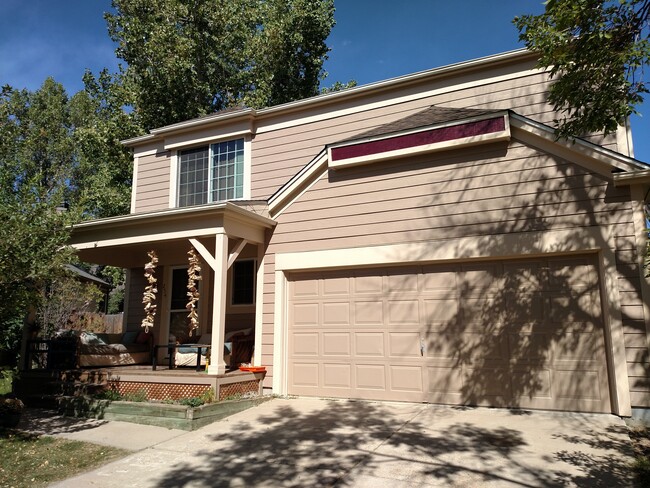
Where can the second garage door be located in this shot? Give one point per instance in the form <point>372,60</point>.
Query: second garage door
<point>519,333</point>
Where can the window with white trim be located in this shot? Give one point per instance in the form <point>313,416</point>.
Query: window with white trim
<point>211,173</point>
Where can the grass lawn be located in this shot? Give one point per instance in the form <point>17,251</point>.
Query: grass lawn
<point>641,444</point>
<point>32,461</point>
<point>5,380</point>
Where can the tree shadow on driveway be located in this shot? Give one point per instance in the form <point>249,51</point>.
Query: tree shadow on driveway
<point>346,443</point>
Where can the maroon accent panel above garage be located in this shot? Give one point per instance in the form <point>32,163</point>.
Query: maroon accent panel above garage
<point>431,136</point>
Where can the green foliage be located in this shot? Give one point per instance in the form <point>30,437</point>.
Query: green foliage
<point>35,164</point>
<point>110,394</point>
<point>62,300</point>
<point>6,380</point>
<point>596,50</point>
<point>338,86</point>
<point>187,59</point>
<point>139,396</point>
<point>101,177</point>
<point>191,402</point>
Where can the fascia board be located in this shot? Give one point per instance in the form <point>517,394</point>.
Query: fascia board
<point>606,157</point>
<point>503,135</point>
<point>632,178</point>
<point>297,185</point>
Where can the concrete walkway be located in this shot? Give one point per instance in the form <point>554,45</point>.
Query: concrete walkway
<point>313,442</point>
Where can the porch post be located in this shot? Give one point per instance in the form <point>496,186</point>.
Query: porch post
<point>217,364</point>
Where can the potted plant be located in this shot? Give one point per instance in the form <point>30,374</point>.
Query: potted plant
<point>10,411</point>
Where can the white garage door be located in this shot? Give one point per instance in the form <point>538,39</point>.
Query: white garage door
<point>519,333</point>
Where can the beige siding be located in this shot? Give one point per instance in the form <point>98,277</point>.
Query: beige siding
<point>482,191</point>
<point>153,180</point>
<point>279,154</point>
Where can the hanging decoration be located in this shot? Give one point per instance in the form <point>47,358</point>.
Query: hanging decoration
<point>193,278</point>
<point>149,297</point>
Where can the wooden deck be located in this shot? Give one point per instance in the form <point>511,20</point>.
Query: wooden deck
<point>162,384</point>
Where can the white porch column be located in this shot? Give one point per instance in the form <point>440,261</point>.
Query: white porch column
<point>217,364</point>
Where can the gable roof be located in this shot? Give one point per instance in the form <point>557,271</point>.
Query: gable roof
<point>442,128</point>
<point>242,113</point>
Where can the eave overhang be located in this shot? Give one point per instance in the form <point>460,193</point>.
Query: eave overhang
<point>110,240</point>
<point>486,128</point>
<point>455,69</point>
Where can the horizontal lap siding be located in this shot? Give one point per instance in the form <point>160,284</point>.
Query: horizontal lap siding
<point>153,182</point>
<point>482,191</point>
<point>281,153</point>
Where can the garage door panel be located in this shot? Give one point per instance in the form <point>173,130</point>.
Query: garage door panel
<point>371,376</point>
<point>520,307</point>
<point>304,288</point>
<point>487,383</point>
<point>571,273</point>
<point>479,278</point>
<point>404,378</point>
<point>483,346</point>
<point>440,312</point>
<point>578,347</point>
<point>437,348</point>
<point>337,375</point>
<point>305,344</point>
<point>336,286</point>
<point>404,344</point>
<point>481,310</point>
<point>407,282</point>
<point>445,379</point>
<point>586,385</point>
<point>368,285</point>
<point>304,374</point>
<point>336,313</point>
<point>370,344</point>
<point>304,314</point>
<point>405,312</point>
<point>437,279</point>
<point>520,333</point>
<point>529,348</point>
<point>368,313</point>
<point>336,344</point>
<point>531,383</point>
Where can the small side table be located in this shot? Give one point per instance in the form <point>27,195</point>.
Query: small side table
<point>171,349</point>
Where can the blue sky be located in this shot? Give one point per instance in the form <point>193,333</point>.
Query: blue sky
<point>373,40</point>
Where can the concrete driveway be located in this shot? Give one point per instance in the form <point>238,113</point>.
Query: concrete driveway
<point>314,442</point>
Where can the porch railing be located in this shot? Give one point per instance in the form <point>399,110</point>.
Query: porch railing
<point>50,354</point>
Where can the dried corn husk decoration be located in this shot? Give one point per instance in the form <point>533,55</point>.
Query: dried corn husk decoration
<point>193,278</point>
<point>149,297</point>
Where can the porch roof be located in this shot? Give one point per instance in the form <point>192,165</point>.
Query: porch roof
<point>124,241</point>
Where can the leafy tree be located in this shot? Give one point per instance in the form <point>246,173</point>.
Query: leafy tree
<point>35,162</point>
<point>102,176</point>
<point>338,86</point>
<point>188,58</point>
<point>596,50</point>
<point>55,150</point>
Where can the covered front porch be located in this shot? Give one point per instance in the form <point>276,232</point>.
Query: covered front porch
<point>230,240</point>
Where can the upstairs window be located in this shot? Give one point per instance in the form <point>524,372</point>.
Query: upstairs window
<point>211,173</point>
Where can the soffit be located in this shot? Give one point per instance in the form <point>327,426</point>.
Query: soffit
<point>115,240</point>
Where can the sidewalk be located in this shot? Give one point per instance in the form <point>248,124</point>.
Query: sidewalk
<point>124,435</point>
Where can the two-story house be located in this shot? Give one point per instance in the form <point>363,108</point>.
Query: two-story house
<point>425,238</point>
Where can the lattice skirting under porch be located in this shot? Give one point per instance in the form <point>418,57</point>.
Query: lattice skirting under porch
<point>158,391</point>
<point>226,388</point>
<point>234,390</point>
